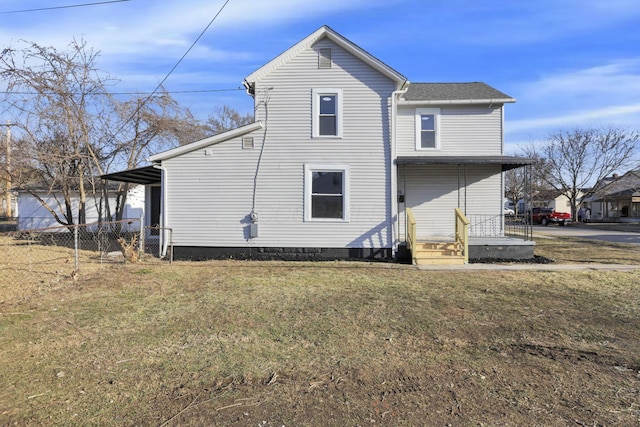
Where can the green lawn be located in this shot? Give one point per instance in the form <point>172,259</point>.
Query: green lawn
<point>322,344</point>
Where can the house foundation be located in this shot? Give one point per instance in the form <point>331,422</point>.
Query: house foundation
<point>196,253</point>
<point>500,248</point>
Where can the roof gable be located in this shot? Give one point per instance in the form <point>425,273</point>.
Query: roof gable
<point>216,139</point>
<point>321,33</point>
<point>619,185</point>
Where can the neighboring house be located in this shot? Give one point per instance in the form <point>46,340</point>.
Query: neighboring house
<point>616,198</point>
<point>33,215</point>
<point>342,146</point>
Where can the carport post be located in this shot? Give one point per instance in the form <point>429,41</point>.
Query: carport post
<point>141,247</point>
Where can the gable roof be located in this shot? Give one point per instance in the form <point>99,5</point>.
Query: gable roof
<point>321,33</point>
<point>455,93</point>
<point>617,186</point>
<point>216,139</point>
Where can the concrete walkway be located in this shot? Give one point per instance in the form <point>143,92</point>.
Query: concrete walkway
<point>532,267</point>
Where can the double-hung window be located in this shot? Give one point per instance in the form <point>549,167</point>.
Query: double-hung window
<point>327,113</point>
<point>428,129</point>
<point>326,193</point>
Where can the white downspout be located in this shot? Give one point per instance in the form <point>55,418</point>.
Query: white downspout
<point>394,167</point>
<point>164,220</point>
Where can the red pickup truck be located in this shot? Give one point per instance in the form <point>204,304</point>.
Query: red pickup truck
<point>545,216</point>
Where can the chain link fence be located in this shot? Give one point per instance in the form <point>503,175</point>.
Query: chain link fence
<point>55,253</point>
<point>153,242</point>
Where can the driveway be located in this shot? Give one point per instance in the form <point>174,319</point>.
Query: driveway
<point>590,231</point>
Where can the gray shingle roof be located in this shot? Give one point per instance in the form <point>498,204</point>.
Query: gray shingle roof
<point>453,92</point>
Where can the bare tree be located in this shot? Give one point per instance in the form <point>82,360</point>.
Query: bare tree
<point>226,118</point>
<point>572,160</point>
<point>75,130</point>
<point>57,98</point>
<point>515,185</point>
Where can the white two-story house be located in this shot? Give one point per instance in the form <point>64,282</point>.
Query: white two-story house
<point>346,159</point>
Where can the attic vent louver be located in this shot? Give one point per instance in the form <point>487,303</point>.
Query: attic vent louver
<point>324,58</point>
<point>247,142</point>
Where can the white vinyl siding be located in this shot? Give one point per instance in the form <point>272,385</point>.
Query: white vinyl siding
<point>432,194</point>
<point>464,131</point>
<point>210,197</point>
<point>210,194</point>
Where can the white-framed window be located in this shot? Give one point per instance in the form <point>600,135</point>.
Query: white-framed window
<point>326,192</point>
<point>327,113</point>
<point>427,129</point>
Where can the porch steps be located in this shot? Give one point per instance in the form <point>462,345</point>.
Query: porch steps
<point>442,253</point>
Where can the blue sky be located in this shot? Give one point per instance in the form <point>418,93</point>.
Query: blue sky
<point>569,63</point>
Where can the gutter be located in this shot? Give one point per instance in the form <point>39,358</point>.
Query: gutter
<point>459,101</point>
<point>249,88</point>
<point>164,220</point>
<point>395,95</point>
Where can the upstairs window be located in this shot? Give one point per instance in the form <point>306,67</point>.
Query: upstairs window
<point>428,129</point>
<point>328,119</point>
<point>326,193</point>
<point>327,113</point>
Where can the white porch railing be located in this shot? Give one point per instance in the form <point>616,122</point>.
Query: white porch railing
<point>492,226</point>
<point>485,225</point>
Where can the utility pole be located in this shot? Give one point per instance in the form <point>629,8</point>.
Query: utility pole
<point>8,212</point>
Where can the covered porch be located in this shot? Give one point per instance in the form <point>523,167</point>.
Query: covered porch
<point>623,206</point>
<point>451,210</point>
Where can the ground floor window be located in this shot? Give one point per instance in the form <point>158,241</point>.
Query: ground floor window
<point>326,193</point>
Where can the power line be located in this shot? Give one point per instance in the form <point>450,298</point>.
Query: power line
<point>142,104</point>
<point>63,7</point>
<point>182,91</point>
<point>126,93</point>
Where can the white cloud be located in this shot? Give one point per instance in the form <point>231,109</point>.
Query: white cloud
<point>141,25</point>
<point>602,95</point>
<point>614,80</point>
<point>619,114</point>
<point>150,37</point>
